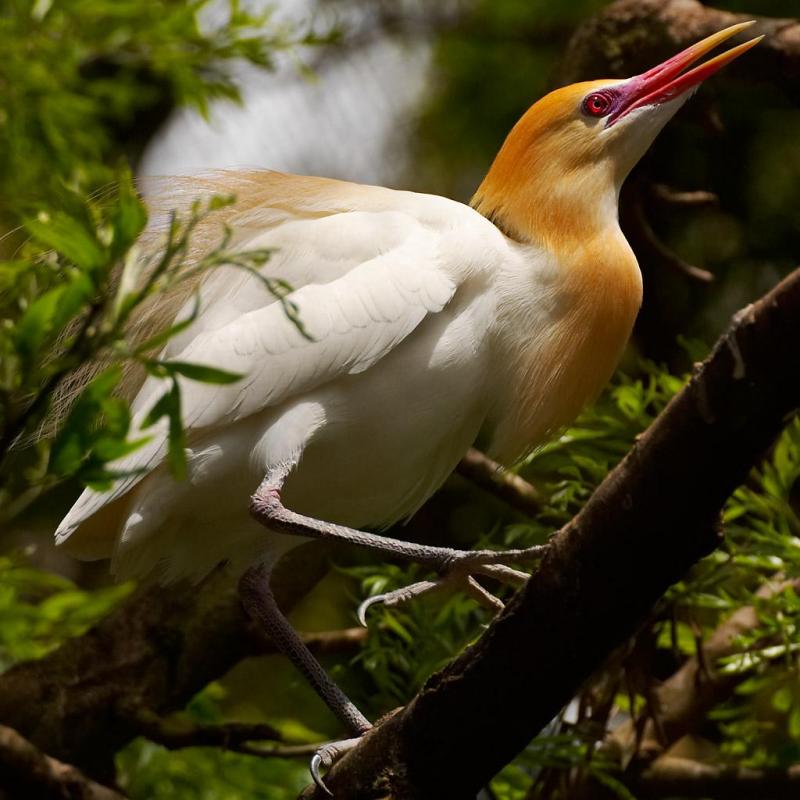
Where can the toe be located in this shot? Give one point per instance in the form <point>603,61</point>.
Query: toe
<point>483,596</point>
<point>314,768</point>
<point>326,757</point>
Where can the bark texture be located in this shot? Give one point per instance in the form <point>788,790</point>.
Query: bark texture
<point>630,36</point>
<point>653,517</point>
<point>28,773</point>
<point>83,702</point>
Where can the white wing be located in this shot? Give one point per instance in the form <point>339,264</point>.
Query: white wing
<point>370,278</point>
<point>349,324</point>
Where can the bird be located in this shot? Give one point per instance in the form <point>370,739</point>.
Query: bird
<point>427,325</point>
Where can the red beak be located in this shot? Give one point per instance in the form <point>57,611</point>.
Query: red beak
<point>665,82</point>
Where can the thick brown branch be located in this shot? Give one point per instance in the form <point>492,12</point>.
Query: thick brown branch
<point>683,777</point>
<point>26,771</point>
<point>648,522</point>
<point>154,652</point>
<point>629,36</point>
<point>323,643</point>
<point>508,486</point>
<point>685,698</point>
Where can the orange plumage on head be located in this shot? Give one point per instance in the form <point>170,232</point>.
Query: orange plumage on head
<point>544,184</point>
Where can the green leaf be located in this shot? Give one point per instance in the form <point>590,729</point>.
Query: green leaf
<point>614,784</point>
<point>128,220</point>
<point>161,408</point>
<point>66,455</point>
<point>782,699</point>
<point>95,430</point>
<point>794,723</point>
<point>49,313</point>
<point>37,322</point>
<point>201,372</point>
<point>108,448</point>
<point>162,337</point>
<point>169,405</point>
<point>77,293</point>
<point>69,237</point>
<point>11,271</point>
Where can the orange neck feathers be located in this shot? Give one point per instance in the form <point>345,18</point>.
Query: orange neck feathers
<point>551,184</point>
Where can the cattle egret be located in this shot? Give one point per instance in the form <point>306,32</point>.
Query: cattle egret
<point>430,325</point>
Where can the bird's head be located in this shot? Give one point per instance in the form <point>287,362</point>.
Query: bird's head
<point>557,177</point>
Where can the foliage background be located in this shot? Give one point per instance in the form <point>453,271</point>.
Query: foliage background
<point>85,84</point>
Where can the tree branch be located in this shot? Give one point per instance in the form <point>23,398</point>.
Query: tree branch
<point>629,36</point>
<point>683,777</point>
<point>652,517</point>
<point>25,771</point>
<point>675,197</point>
<point>684,700</point>
<point>156,651</point>
<point>322,643</point>
<point>178,733</point>
<point>175,734</point>
<point>640,230</point>
<point>493,478</point>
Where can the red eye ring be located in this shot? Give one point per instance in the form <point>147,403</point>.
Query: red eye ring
<point>597,104</point>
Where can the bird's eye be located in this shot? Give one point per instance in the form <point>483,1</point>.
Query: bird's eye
<point>597,104</point>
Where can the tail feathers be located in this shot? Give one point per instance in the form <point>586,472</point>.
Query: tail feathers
<point>91,526</point>
<point>182,549</point>
<point>89,531</point>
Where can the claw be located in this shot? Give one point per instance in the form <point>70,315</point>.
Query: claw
<point>314,767</point>
<point>327,755</point>
<point>395,597</point>
<point>362,609</point>
<point>454,570</point>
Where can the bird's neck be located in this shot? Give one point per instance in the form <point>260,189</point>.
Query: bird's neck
<point>566,316</point>
<point>561,325</point>
<point>538,198</point>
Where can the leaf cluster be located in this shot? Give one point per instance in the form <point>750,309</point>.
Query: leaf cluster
<point>71,310</point>
<point>79,78</point>
<point>76,80</point>
<point>40,610</point>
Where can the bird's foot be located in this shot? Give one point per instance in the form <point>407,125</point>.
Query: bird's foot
<point>457,569</point>
<point>326,757</point>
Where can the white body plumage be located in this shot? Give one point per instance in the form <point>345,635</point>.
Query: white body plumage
<point>425,321</point>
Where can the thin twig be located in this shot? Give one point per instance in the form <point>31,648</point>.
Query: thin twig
<point>493,478</point>
<point>281,750</point>
<point>321,643</point>
<point>677,197</point>
<point>238,737</point>
<point>658,250</point>
<point>175,734</point>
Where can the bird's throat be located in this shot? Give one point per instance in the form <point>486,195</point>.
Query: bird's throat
<point>555,211</point>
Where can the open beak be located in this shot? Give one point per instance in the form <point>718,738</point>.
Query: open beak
<point>668,80</point>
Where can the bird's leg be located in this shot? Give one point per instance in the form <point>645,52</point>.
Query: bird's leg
<point>454,566</point>
<point>260,604</point>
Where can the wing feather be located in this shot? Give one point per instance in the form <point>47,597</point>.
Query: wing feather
<point>372,297</point>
